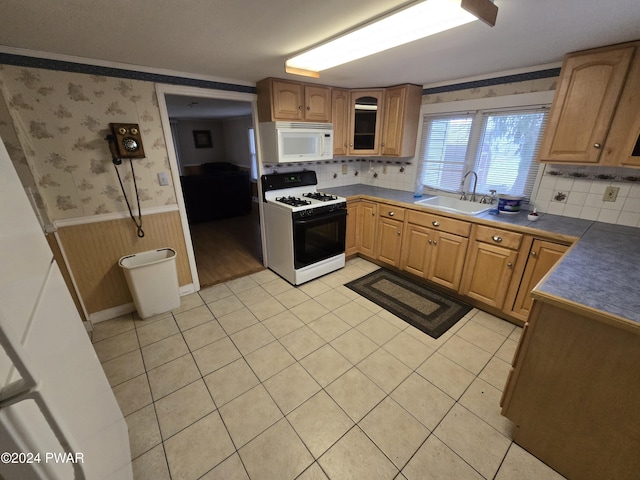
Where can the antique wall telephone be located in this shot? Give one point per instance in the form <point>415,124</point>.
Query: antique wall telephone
<point>125,142</point>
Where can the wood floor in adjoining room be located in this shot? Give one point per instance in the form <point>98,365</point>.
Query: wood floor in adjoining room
<point>227,248</point>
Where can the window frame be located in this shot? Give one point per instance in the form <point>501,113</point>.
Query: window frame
<point>477,107</point>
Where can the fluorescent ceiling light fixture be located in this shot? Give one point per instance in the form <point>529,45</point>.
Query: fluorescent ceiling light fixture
<point>416,21</point>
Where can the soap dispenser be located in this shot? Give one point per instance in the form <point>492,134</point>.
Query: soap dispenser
<point>494,210</point>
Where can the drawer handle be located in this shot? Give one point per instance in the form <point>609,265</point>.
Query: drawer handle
<point>435,223</point>
<point>391,214</point>
<point>496,238</point>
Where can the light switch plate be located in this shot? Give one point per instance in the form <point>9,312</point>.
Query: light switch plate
<point>163,179</point>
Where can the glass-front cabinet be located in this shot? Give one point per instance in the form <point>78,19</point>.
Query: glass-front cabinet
<point>366,122</point>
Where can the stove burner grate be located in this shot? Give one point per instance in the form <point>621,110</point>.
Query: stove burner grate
<point>293,201</point>
<point>323,197</point>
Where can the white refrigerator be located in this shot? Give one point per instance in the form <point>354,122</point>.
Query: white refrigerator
<point>58,416</point>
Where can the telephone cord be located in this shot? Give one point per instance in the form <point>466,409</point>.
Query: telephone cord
<point>135,186</point>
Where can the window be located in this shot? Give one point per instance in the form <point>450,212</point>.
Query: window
<point>500,146</point>
<point>252,153</point>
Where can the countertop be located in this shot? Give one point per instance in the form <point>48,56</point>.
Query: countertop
<point>601,271</point>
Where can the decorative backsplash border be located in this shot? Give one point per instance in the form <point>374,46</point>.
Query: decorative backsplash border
<point>572,172</point>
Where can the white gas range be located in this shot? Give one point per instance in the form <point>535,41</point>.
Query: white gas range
<point>305,228</point>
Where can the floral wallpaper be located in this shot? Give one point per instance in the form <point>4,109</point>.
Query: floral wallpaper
<point>61,119</point>
<point>512,88</point>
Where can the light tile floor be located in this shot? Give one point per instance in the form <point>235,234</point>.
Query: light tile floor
<point>257,379</point>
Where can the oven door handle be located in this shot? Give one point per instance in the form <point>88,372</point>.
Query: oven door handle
<point>321,218</point>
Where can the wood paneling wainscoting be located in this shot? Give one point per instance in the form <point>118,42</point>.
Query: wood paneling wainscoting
<point>92,251</point>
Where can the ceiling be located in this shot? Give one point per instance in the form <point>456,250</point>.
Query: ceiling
<point>243,41</point>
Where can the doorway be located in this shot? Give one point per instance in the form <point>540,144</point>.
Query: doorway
<point>215,161</point>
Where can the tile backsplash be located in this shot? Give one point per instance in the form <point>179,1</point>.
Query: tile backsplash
<point>578,192</point>
<point>572,192</point>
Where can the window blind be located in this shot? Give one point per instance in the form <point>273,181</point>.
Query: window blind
<point>444,149</point>
<point>500,146</point>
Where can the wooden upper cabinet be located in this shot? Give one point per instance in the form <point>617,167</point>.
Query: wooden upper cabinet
<point>317,103</point>
<point>365,120</point>
<point>293,101</point>
<point>340,102</point>
<point>401,114</point>
<point>590,87</point>
<point>372,122</point>
<point>623,143</point>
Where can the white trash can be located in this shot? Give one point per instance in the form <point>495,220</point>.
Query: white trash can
<point>152,278</point>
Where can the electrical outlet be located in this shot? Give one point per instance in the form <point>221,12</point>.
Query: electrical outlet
<point>344,169</point>
<point>384,169</point>
<point>610,194</point>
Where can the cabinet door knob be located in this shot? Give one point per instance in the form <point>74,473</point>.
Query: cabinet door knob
<point>391,214</point>
<point>496,238</point>
<point>429,241</point>
<point>435,242</point>
<point>398,232</point>
<point>533,254</point>
<point>596,145</point>
<point>435,224</point>
<point>509,264</point>
<point>308,107</point>
<point>300,107</point>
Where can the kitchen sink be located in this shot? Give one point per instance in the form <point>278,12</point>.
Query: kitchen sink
<point>454,205</point>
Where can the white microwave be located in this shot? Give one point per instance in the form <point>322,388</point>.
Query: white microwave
<point>287,142</point>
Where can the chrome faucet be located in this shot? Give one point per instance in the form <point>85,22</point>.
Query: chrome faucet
<point>475,183</point>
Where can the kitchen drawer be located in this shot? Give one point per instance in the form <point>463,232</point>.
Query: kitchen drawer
<point>496,236</point>
<point>444,224</point>
<point>391,211</point>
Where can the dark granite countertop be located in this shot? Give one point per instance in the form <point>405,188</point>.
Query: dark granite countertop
<point>601,271</point>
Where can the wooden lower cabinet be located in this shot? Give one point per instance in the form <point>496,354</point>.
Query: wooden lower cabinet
<point>448,258</point>
<point>540,257</point>
<point>351,238</point>
<point>492,267</point>
<point>366,228</point>
<point>389,241</point>
<point>416,250</point>
<point>490,263</point>
<point>436,256</point>
<point>573,391</point>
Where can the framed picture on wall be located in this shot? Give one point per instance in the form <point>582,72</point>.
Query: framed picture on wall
<point>202,138</point>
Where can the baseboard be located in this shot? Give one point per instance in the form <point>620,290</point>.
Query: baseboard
<point>120,310</point>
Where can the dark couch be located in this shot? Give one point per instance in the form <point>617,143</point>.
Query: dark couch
<point>221,190</point>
